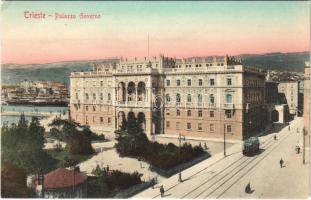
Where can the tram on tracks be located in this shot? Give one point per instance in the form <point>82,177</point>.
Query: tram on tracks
<point>251,146</point>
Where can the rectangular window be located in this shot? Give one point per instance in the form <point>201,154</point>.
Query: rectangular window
<point>168,82</point>
<point>178,82</point>
<point>188,126</point>
<point>189,82</point>
<point>94,108</point>
<point>211,113</point>
<point>86,108</point>
<point>188,113</point>
<point>101,119</point>
<point>211,81</point>
<point>229,129</point>
<point>109,120</point>
<point>178,112</point>
<point>177,125</point>
<point>167,124</point>
<point>200,126</point>
<point>211,127</point>
<point>200,82</point>
<point>229,81</point>
<point>228,113</point>
<point>102,83</point>
<point>200,114</point>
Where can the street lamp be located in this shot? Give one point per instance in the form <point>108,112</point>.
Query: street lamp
<point>181,137</point>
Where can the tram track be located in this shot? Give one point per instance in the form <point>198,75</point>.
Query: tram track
<point>225,171</point>
<point>239,164</point>
<point>237,169</point>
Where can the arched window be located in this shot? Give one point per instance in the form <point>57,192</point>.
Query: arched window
<point>109,96</point>
<point>211,98</point>
<point>189,98</point>
<point>168,98</point>
<point>101,96</point>
<point>94,96</point>
<point>200,99</point>
<point>177,98</point>
<point>86,96</point>
<point>229,98</point>
<point>77,96</point>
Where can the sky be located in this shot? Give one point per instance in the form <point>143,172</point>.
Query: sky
<point>176,29</point>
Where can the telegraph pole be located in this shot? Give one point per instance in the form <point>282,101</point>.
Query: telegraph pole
<point>225,140</point>
<point>304,132</point>
<point>179,174</point>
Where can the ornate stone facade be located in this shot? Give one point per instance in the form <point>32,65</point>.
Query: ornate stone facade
<point>306,108</point>
<point>204,97</point>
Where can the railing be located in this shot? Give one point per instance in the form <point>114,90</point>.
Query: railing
<point>212,105</point>
<point>90,73</point>
<point>228,105</point>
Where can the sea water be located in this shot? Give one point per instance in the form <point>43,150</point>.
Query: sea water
<point>28,108</point>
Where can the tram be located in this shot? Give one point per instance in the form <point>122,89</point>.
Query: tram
<point>251,146</point>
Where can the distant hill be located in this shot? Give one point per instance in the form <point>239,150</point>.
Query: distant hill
<point>277,61</point>
<point>13,73</point>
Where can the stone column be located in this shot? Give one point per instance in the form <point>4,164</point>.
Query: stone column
<point>126,99</point>
<point>136,94</point>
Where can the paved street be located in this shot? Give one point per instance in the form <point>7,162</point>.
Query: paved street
<point>220,177</point>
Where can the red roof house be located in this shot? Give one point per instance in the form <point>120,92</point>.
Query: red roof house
<point>63,183</point>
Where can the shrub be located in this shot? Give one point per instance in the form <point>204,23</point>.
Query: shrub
<point>107,183</point>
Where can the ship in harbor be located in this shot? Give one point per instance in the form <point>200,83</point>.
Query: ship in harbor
<point>37,93</point>
<point>37,101</point>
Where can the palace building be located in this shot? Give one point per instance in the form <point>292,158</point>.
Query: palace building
<point>202,97</point>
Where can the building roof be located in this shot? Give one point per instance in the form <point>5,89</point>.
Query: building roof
<point>63,178</point>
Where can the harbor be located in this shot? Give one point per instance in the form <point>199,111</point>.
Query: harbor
<point>11,114</point>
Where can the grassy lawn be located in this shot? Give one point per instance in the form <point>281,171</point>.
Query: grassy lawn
<point>60,156</point>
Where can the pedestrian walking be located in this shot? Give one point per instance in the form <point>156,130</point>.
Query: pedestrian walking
<point>248,188</point>
<point>162,191</point>
<point>205,146</point>
<point>281,163</point>
<point>107,168</point>
<point>274,137</point>
<point>296,149</point>
<point>152,183</point>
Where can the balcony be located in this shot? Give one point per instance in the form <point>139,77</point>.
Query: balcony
<point>229,106</point>
<point>75,101</point>
<point>212,105</point>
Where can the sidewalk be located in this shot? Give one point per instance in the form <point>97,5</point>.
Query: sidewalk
<point>200,139</point>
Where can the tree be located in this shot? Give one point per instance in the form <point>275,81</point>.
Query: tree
<point>131,139</point>
<point>22,145</point>
<point>13,182</point>
<point>77,140</point>
<point>79,144</point>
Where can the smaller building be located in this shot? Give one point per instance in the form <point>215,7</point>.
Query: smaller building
<point>290,91</point>
<point>63,183</point>
<point>278,111</point>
